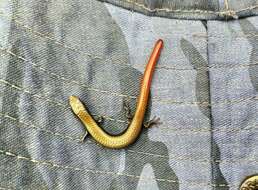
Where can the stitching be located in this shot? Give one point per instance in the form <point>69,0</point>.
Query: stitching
<point>55,102</point>
<point>170,10</point>
<point>24,90</point>
<point>228,12</point>
<point>184,10</point>
<point>248,8</point>
<point>6,188</point>
<point>222,66</point>
<point>213,184</point>
<point>77,139</point>
<point>157,67</point>
<point>222,185</point>
<point>63,78</point>
<point>103,91</point>
<point>82,85</point>
<point>55,165</point>
<point>226,5</point>
<point>63,45</point>
<point>249,128</point>
<point>49,36</point>
<point>58,103</point>
<point>207,104</point>
<point>52,164</point>
<point>154,99</point>
<point>202,35</point>
<point>220,13</point>
<point>5,115</point>
<point>70,138</point>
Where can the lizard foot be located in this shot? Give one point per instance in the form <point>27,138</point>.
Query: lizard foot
<point>83,137</point>
<point>127,109</point>
<point>154,121</point>
<point>98,119</point>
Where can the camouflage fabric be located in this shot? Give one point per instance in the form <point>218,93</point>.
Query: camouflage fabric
<point>204,90</point>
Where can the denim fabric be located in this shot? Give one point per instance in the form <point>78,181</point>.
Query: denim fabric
<point>204,90</point>
<point>191,9</point>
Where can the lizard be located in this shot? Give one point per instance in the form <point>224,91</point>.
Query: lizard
<point>132,132</point>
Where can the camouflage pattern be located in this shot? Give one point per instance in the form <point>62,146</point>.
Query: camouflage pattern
<point>204,90</point>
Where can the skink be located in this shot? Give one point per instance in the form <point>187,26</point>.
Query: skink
<point>134,129</point>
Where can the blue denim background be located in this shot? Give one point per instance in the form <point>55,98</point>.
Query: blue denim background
<point>204,90</point>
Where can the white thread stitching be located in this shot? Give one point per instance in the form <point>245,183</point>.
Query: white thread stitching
<point>52,164</point>
<point>5,115</point>
<point>226,13</point>
<point>157,67</point>
<point>45,98</point>
<point>55,102</point>
<point>55,165</point>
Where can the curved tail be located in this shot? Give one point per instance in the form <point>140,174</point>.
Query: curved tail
<point>134,129</point>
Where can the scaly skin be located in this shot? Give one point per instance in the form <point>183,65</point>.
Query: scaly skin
<point>134,129</point>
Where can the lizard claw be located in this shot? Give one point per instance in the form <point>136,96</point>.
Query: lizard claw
<point>154,121</point>
<point>127,110</point>
<point>99,119</point>
<point>82,138</point>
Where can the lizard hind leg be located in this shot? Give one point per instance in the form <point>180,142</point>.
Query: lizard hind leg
<point>83,137</point>
<point>98,119</point>
<point>127,110</point>
<point>154,121</point>
<point>128,113</point>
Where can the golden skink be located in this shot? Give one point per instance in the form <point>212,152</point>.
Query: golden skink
<point>134,129</point>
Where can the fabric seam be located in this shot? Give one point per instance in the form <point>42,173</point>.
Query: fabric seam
<point>226,5</point>
<point>52,164</point>
<point>49,37</point>
<point>186,10</point>
<point>76,140</point>
<point>167,101</point>
<point>227,13</point>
